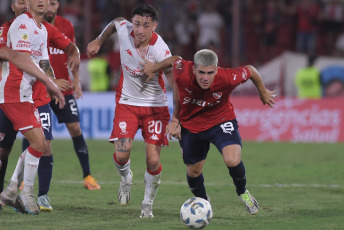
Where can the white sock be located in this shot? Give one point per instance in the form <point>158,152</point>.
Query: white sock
<point>30,169</point>
<point>152,184</point>
<point>18,174</point>
<point>123,170</point>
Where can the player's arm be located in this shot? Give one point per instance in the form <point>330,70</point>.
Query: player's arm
<point>76,84</point>
<point>94,46</point>
<point>24,62</point>
<point>73,56</point>
<point>266,96</point>
<point>62,84</point>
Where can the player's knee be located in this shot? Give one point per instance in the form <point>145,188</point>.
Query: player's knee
<point>74,129</point>
<point>153,164</point>
<point>38,144</point>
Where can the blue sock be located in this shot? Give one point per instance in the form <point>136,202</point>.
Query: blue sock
<point>45,173</point>
<point>81,150</point>
<point>239,177</point>
<point>3,173</point>
<point>196,185</point>
<point>25,144</point>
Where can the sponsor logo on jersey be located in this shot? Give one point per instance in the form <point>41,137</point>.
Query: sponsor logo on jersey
<point>201,103</point>
<point>22,27</point>
<point>2,136</point>
<point>217,95</point>
<point>55,51</point>
<point>36,32</point>
<point>36,53</point>
<point>1,30</point>
<point>154,137</point>
<point>22,43</point>
<point>131,71</point>
<point>178,64</point>
<point>244,75</point>
<point>189,91</point>
<point>123,126</point>
<point>129,52</point>
<point>25,36</point>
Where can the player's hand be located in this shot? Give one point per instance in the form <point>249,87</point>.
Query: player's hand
<point>77,89</point>
<point>62,84</point>
<point>267,97</point>
<point>148,69</point>
<point>93,47</point>
<point>73,62</point>
<point>173,129</point>
<point>55,93</point>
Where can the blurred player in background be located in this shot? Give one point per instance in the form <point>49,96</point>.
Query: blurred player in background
<point>70,113</point>
<point>139,104</point>
<point>204,115</point>
<point>26,34</point>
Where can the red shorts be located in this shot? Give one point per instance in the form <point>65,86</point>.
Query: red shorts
<point>23,115</point>
<point>152,121</point>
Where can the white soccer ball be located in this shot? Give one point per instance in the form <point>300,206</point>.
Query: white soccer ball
<point>196,212</point>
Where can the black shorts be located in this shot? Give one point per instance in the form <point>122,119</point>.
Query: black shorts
<point>69,113</point>
<point>195,146</point>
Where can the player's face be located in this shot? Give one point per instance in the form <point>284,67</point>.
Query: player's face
<point>38,6</point>
<point>51,10</point>
<point>143,28</point>
<point>19,7</point>
<point>205,75</point>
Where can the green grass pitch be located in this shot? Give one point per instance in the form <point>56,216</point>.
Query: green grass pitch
<point>298,186</point>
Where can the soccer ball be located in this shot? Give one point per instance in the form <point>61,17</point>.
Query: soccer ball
<point>196,212</point>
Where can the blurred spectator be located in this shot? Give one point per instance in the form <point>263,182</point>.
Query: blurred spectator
<point>307,81</point>
<point>308,14</point>
<point>210,26</point>
<point>332,80</point>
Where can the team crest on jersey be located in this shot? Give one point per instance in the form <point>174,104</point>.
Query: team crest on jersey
<point>123,126</point>
<point>178,64</point>
<point>36,113</point>
<point>217,95</point>
<point>2,136</point>
<point>25,36</point>
<point>1,30</point>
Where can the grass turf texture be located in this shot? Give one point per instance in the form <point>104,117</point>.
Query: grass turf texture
<point>298,186</point>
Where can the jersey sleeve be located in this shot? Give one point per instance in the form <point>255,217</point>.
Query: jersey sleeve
<point>3,35</point>
<point>164,51</point>
<point>238,75</point>
<point>20,36</point>
<point>56,38</point>
<point>123,26</point>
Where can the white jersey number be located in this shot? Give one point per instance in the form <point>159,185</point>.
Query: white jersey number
<point>227,127</point>
<point>155,127</point>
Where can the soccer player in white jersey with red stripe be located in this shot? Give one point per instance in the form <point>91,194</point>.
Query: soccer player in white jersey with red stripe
<point>27,34</point>
<point>139,104</point>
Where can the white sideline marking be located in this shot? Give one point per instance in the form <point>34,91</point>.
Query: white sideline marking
<point>215,184</point>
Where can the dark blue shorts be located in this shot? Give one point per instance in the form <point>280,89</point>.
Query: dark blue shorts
<point>195,146</point>
<point>7,132</point>
<point>45,115</point>
<point>69,113</point>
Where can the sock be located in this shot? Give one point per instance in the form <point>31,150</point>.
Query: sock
<point>196,185</point>
<point>81,151</point>
<point>25,144</point>
<point>31,166</point>
<point>18,173</point>
<point>3,173</point>
<point>239,178</point>
<point>122,168</point>
<point>45,173</point>
<point>152,182</point>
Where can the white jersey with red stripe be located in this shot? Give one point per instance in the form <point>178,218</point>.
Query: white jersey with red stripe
<point>133,88</point>
<point>24,35</point>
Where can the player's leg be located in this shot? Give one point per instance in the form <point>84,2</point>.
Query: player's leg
<point>153,131</point>
<point>228,142</point>
<point>70,116</point>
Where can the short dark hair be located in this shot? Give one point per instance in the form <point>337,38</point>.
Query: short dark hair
<point>146,10</point>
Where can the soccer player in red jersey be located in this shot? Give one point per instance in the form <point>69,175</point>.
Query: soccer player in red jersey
<point>70,113</point>
<point>139,104</point>
<point>28,35</point>
<point>204,115</point>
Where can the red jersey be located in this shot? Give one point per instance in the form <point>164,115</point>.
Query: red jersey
<point>3,33</point>
<point>57,57</point>
<point>202,109</point>
<point>57,39</point>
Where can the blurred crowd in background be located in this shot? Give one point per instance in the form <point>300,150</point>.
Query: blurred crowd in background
<point>267,28</point>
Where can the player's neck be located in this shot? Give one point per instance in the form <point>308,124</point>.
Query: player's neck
<point>38,18</point>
